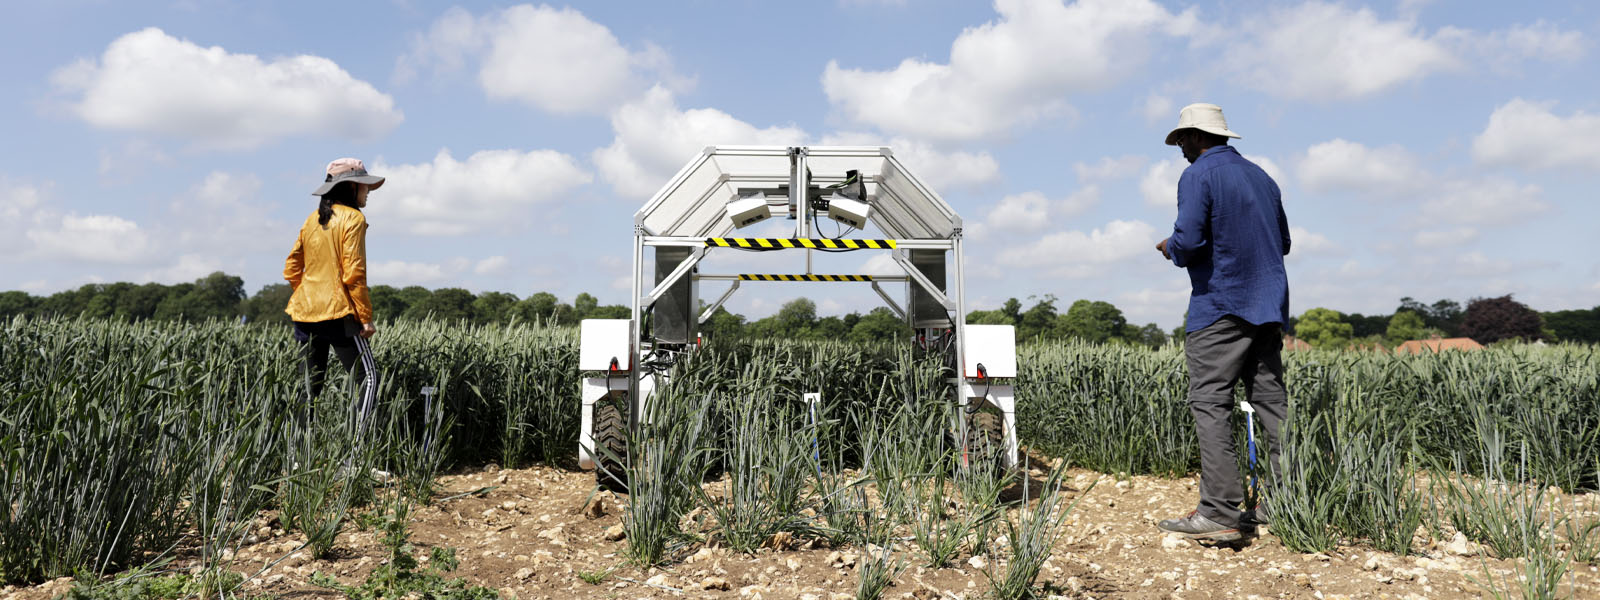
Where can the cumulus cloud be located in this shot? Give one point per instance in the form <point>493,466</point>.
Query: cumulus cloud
<point>1323,51</point>
<point>92,239</point>
<point>1484,201</point>
<point>1109,168</point>
<point>1009,72</point>
<point>654,139</point>
<point>1529,134</point>
<point>1159,185</point>
<point>1304,241</point>
<point>224,212</point>
<point>1076,254</point>
<point>148,81</point>
<point>553,59</point>
<point>1341,165</point>
<point>490,189</point>
<point>1447,238</point>
<point>494,265</point>
<point>401,273</point>
<point>934,166</point>
<point>1033,212</point>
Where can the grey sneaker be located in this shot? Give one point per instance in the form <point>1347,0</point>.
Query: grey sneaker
<point>1197,527</point>
<point>1260,515</point>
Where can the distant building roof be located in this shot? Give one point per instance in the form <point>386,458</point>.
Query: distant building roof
<point>1438,345</point>
<point>1293,343</point>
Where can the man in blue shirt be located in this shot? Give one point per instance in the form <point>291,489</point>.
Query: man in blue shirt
<point>1231,234</point>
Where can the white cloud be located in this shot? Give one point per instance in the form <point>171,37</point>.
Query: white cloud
<point>1321,51</point>
<point>1303,241</point>
<point>1109,168</point>
<point>1009,72</point>
<point>553,59</point>
<point>1324,51</point>
<point>1341,165</point>
<point>1485,201</point>
<point>1026,212</point>
<point>1158,108</point>
<point>490,189</point>
<point>222,213</point>
<point>148,81</point>
<point>188,267</point>
<point>654,139</point>
<point>494,265</point>
<point>937,168</point>
<point>1530,135</point>
<point>1159,185</point>
<point>1505,49</point>
<point>1448,238</point>
<point>1075,254</point>
<point>91,238</point>
<point>1032,212</point>
<point>881,264</point>
<point>400,273</point>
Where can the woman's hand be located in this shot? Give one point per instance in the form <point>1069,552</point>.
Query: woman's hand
<point>367,329</point>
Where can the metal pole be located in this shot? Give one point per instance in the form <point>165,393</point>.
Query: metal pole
<point>634,331</point>
<point>802,186</point>
<point>960,327</point>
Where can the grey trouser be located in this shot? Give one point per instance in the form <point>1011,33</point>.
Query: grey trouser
<point>1225,352</point>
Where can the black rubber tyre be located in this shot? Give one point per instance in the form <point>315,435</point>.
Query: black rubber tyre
<point>986,441</point>
<point>610,446</point>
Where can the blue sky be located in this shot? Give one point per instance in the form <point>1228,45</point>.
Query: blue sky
<point>1425,149</point>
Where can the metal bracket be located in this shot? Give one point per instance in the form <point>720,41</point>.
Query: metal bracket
<point>922,280</point>
<point>678,273</point>
<point>898,312</point>
<point>706,316</point>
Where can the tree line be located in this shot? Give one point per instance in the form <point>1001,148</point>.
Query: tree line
<point>222,296</point>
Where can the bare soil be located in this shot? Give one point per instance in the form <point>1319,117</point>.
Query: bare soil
<point>535,530</point>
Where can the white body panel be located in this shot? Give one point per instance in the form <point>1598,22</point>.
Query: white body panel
<point>993,346</point>
<point>601,340</point>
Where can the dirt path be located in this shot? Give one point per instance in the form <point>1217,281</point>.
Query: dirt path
<point>532,534</point>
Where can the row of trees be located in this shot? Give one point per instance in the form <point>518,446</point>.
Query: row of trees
<point>1485,320</point>
<point>220,295</point>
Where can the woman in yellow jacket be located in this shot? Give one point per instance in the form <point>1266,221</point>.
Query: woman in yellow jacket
<point>330,306</point>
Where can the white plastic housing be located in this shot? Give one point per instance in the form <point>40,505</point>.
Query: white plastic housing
<point>849,212</point>
<point>601,340</point>
<point>993,346</point>
<point>749,210</point>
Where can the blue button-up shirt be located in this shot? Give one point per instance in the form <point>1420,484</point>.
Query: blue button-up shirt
<point>1232,235</point>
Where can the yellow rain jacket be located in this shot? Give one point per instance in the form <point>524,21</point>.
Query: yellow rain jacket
<point>328,269</point>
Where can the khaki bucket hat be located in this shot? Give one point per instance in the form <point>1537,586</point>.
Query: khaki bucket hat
<point>1202,116</point>
<point>347,169</point>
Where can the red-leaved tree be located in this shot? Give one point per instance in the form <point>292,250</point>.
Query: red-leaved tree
<point>1490,320</point>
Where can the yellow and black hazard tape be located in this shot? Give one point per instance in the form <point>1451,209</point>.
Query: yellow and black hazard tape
<point>773,243</point>
<point>802,277</point>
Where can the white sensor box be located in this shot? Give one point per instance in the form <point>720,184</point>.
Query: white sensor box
<point>993,346</point>
<point>849,212</point>
<point>599,341</point>
<point>748,210</point>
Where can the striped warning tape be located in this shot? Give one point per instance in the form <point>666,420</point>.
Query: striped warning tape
<point>768,277</point>
<point>848,244</point>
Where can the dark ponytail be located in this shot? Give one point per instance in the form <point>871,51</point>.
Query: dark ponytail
<point>343,193</point>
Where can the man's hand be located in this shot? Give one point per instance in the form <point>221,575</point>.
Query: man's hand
<point>1161,247</point>
<point>367,329</point>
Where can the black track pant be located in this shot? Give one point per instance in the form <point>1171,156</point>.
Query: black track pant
<point>355,355</point>
<point>1229,351</point>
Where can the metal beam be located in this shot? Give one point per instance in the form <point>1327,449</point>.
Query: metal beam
<point>706,316</point>
<point>922,280</point>
<point>899,312</point>
<point>678,273</point>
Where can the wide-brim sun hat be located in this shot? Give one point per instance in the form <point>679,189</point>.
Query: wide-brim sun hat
<point>1202,116</point>
<point>347,169</point>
